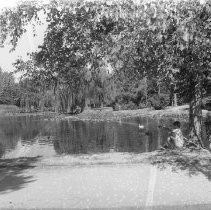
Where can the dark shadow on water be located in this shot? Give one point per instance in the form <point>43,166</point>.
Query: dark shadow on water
<point>12,175</point>
<point>194,163</point>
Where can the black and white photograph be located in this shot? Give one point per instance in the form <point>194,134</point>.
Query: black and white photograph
<point>105,104</point>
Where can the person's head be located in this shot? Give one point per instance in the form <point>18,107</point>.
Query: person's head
<point>176,124</point>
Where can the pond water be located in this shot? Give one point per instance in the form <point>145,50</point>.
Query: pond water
<point>35,135</point>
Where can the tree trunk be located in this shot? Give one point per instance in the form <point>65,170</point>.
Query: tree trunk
<point>159,134</point>
<point>56,102</point>
<point>159,89</point>
<point>101,104</point>
<point>69,102</point>
<point>208,128</point>
<point>27,106</point>
<point>146,91</point>
<point>87,102</point>
<point>86,97</point>
<point>147,137</point>
<point>171,97</point>
<point>195,115</point>
<point>42,104</point>
<point>175,99</point>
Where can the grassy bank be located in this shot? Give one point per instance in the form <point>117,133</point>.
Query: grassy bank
<point>181,112</point>
<point>12,110</point>
<point>9,109</point>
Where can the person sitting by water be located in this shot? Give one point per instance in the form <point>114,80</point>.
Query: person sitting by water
<point>176,138</point>
<point>209,142</point>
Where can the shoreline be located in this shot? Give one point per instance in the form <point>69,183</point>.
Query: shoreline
<point>183,157</point>
<point>179,112</point>
<point>169,157</point>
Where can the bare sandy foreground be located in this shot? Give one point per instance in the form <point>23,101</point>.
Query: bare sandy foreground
<point>108,181</point>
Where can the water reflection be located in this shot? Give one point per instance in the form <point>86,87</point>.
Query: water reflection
<point>73,137</point>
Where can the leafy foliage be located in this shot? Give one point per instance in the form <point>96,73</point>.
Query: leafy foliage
<point>98,51</point>
<point>9,92</point>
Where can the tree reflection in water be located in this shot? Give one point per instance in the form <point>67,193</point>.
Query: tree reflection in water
<point>74,137</point>
<point>19,128</point>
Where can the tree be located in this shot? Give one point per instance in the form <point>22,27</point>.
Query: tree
<point>192,57</point>
<point>35,88</point>
<point>9,92</point>
<point>154,40</point>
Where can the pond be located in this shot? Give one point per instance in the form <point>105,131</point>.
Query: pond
<point>36,135</point>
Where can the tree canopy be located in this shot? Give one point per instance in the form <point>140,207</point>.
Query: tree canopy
<point>8,89</point>
<point>91,46</point>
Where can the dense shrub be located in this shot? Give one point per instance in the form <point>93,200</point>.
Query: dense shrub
<point>159,102</point>
<point>116,106</point>
<point>206,103</point>
<point>129,106</point>
<point>142,105</point>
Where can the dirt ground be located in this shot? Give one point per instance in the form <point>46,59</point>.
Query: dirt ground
<point>156,180</point>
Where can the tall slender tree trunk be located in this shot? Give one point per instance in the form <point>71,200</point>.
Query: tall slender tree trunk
<point>159,134</point>
<point>27,106</point>
<point>171,97</point>
<point>42,103</point>
<point>175,99</point>
<point>87,102</point>
<point>159,88</point>
<point>147,137</point>
<point>69,104</point>
<point>86,97</point>
<point>208,128</point>
<point>56,102</point>
<point>195,114</point>
<point>56,97</point>
<point>146,90</point>
<point>69,101</point>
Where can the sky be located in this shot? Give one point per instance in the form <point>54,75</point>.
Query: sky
<point>28,43</point>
